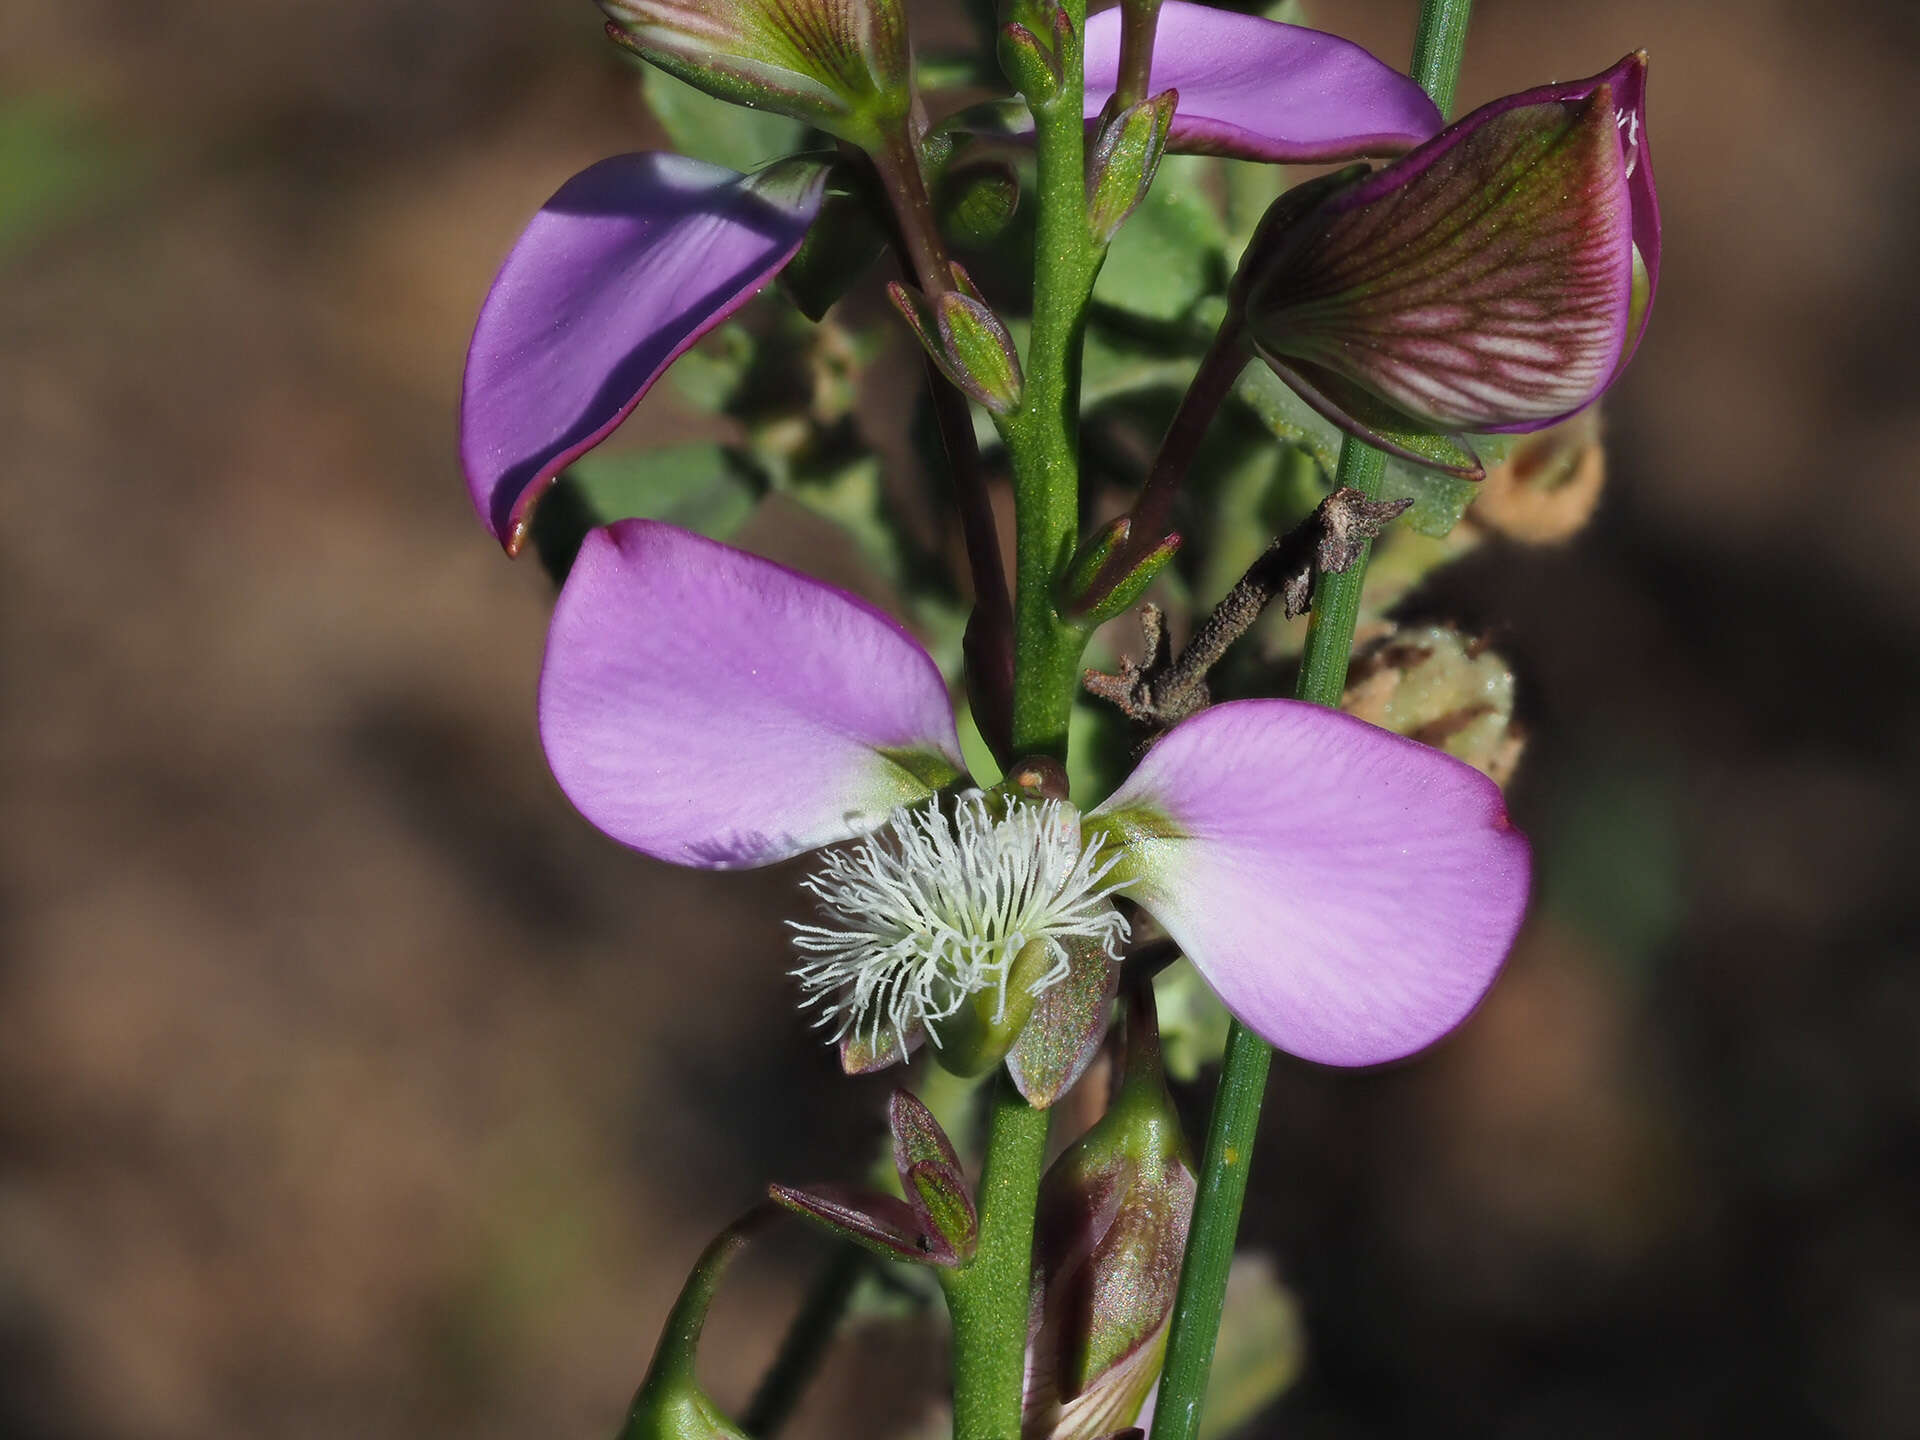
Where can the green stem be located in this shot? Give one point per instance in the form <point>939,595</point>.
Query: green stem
<point>987,1300</point>
<point>1043,434</point>
<point>1437,47</point>
<point>1243,1075</point>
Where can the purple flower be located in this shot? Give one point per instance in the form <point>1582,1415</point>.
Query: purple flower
<point>1259,90</point>
<point>1496,278</point>
<point>1349,893</point>
<point>633,260</point>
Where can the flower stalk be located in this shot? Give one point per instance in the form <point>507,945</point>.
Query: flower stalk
<point>1234,1124</point>
<point>988,1300</point>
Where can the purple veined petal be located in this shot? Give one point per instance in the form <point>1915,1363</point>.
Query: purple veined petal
<point>1259,90</point>
<point>1627,81</point>
<point>1484,282</point>
<point>629,263</point>
<point>714,709</point>
<point>1348,893</point>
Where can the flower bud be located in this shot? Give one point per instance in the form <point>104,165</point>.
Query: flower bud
<point>1122,162</point>
<point>1496,278</point>
<point>935,1224</point>
<point>967,341</point>
<point>670,1404</point>
<point>841,65</point>
<point>1094,590</point>
<point>1110,1233</point>
<point>976,198</point>
<point>1032,48</point>
<point>1437,686</point>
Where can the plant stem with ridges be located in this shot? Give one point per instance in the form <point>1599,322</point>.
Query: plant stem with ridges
<point>1243,1075</point>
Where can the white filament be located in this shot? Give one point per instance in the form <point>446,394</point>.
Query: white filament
<point>934,907</point>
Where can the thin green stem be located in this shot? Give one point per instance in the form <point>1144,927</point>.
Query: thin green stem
<point>987,1300</point>
<point>1437,47</point>
<point>989,639</point>
<point>805,1344</point>
<point>1243,1076</point>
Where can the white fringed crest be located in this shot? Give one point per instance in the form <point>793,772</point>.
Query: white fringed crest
<point>934,907</point>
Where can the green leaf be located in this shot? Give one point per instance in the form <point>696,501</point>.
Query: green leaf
<point>718,131</point>
<point>1172,251</point>
<point>1116,364</point>
<point>701,487</point>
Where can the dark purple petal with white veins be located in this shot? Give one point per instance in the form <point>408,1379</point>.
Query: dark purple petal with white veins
<point>625,267</point>
<point>1259,90</point>
<point>1349,893</point>
<point>714,709</point>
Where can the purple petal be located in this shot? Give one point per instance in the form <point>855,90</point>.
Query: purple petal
<point>1259,90</point>
<point>1486,281</point>
<point>1350,894</point>
<point>715,709</point>
<point>626,266</point>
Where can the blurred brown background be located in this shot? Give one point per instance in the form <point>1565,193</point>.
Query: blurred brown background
<point>349,1084</point>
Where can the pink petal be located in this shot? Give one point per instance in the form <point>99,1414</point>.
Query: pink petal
<point>1259,90</point>
<point>1350,894</point>
<point>715,709</point>
<point>626,266</point>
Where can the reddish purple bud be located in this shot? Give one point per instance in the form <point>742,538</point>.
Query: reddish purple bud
<point>967,341</point>
<point>1109,1237</point>
<point>931,1174</point>
<point>1496,278</point>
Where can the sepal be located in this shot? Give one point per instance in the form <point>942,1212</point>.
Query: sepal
<point>1121,165</point>
<point>931,1174</point>
<point>967,341</point>
<point>1091,594</point>
<point>881,1223</point>
<point>936,1224</point>
<point>1068,1022</point>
